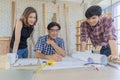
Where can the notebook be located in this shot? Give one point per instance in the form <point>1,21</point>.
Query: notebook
<point>26,62</point>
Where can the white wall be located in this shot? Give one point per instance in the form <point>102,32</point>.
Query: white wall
<point>5,17</point>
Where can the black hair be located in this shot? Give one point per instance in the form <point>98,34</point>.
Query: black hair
<point>93,11</point>
<point>52,24</point>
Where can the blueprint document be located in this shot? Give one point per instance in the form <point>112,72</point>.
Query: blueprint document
<point>91,58</point>
<point>67,62</point>
<point>26,62</point>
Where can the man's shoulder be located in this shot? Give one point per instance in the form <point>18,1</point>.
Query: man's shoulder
<point>43,38</point>
<point>84,24</point>
<point>59,39</point>
<point>107,19</point>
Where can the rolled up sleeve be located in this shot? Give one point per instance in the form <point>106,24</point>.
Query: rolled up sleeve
<point>39,45</point>
<point>83,32</point>
<point>110,31</point>
<point>61,44</point>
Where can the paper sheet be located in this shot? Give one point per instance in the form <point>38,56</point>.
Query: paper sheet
<point>91,58</point>
<point>66,63</point>
<point>114,65</point>
<point>26,62</point>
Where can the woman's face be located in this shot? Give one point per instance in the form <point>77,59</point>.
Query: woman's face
<point>31,19</point>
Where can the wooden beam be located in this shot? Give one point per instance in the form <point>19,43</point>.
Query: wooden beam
<point>44,17</point>
<point>65,18</point>
<point>59,19</point>
<point>13,14</point>
<point>30,49</point>
<point>68,29</point>
<point>54,18</point>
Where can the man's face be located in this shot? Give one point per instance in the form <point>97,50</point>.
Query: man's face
<point>92,21</point>
<point>53,32</point>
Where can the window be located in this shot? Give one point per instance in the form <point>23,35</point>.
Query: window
<point>118,25</point>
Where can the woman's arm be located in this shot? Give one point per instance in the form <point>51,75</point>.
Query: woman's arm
<point>31,37</point>
<point>17,35</point>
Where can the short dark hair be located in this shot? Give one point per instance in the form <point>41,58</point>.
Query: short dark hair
<point>52,24</point>
<point>92,11</point>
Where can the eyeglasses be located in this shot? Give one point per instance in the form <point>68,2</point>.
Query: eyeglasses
<point>53,30</point>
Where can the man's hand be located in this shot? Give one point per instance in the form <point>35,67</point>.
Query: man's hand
<point>113,58</point>
<point>49,41</point>
<point>55,57</point>
<point>58,49</point>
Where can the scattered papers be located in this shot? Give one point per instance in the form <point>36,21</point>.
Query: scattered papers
<point>91,58</point>
<point>66,63</point>
<point>26,62</point>
<point>114,65</point>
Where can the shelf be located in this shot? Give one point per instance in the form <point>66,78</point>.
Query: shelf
<point>78,35</point>
<point>4,38</point>
<point>4,45</point>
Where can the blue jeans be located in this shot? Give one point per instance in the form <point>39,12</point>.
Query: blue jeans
<point>22,53</point>
<point>105,50</point>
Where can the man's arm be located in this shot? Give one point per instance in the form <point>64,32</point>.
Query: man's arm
<point>109,30</point>
<point>40,55</point>
<point>84,35</point>
<point>58,49</point>
<point>114,52</point>
<point>110,35</point>
<point>55,57</point>
<point>83,45</point>
<point>39,48</point>
<point>113,47</point>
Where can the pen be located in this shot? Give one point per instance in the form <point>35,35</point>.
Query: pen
<point>96,68</point>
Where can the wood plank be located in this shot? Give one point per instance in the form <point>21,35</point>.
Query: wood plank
<point>13,14</point>
<point>4,45</point>
<point>44,17</point>
<point>65,18</point>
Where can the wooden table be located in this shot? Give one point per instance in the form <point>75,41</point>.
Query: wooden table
<point>83,73</point>
<point>90,73</point>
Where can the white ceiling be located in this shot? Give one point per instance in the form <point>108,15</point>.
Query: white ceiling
<point>102,3</point>
<point>80,1</point>
<point>106,3</point>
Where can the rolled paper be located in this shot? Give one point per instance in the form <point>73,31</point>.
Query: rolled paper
<point>91,58</point>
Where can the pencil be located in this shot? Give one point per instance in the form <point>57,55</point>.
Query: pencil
<point>40,68</point>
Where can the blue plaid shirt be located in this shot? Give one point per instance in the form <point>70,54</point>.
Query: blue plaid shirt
<point>47,49</point>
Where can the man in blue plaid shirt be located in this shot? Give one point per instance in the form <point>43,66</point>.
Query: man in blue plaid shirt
<point>51,46</point>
